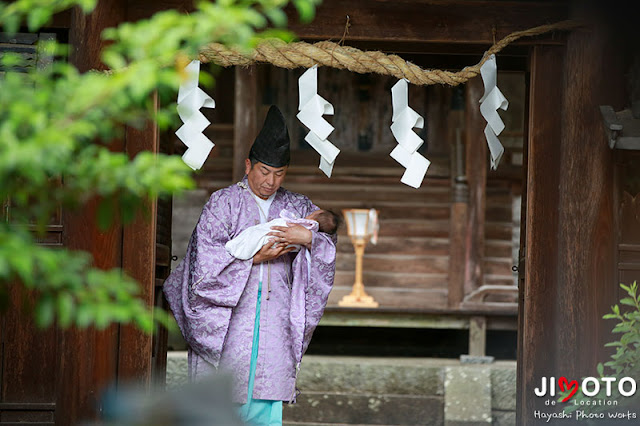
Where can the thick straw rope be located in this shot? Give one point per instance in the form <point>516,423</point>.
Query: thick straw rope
<point>326,53</point>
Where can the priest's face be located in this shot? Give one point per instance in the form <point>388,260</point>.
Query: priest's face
<point>264,180</point>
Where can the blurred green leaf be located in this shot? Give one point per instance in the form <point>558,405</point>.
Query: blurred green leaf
<point>65,309</point>
<point>628,301</point>
<point>23,266</point>
<point>45,311</point>
<point>306,10</point>
<point>105,215</point>
<point>37,17</point>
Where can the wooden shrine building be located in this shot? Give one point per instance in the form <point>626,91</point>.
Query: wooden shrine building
<point>539,245</point>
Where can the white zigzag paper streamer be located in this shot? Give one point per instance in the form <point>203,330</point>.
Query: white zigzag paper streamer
<point>312,107</point>
<point>406,152</point>
<point>489,104</point>
<point>190,99</point>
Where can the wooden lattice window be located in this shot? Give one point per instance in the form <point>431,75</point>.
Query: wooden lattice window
<point>30,47</point>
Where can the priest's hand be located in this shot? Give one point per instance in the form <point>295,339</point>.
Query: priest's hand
<point>270,251</point>
<point>292,234</point>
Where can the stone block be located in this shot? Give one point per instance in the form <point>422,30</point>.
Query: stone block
<point>326,408</point>
<point>504,418</point>
<point>467,396</point>
<point>406,376</point>
<point>503,387</point>
<point>177,369</point>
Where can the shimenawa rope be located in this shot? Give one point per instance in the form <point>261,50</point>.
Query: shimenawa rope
<point>326,53</point>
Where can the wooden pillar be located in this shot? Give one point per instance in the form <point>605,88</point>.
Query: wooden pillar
<point>477,336</point>
<point>476,170</point>
<point>88,358</point>
<point>535,352</point>
<point>570,277</point>
<point>457,243</point>
<point>245,117</point>
<point>139,262</point>
<point>593,76</point>
<point>459,208</point>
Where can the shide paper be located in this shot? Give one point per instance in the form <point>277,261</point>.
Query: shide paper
<point>406,152</point>
<point>190,99</point>
<point>312,107</point>
<point>489,104</point>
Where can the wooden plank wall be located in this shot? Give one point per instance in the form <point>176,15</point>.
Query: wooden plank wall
<point>408,269</point>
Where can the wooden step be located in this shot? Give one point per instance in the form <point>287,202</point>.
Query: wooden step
<point>394,245</point>
<point>393,210</point>
<point>393,279</point>
<point>499,279</point>
<point>393,297</point>
<point>395,263</point>
<point>498,213</point>
<point>414,228</point>
<point>498,231</point>
<point>498,248</point>
<point>373,193</point>
<point>421,245</point>
<point>498,266</point>
<point>352,179</point>
<point>334,190</point>
<point>436,171</point>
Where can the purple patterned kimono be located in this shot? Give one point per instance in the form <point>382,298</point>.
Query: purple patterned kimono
<point>213,295</point>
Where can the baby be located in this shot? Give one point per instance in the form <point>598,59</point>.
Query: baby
<point>251,240</point>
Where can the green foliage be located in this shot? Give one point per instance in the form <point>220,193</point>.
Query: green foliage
<point>36,13</point>
<point>50,121</point>
<point>625,362</point>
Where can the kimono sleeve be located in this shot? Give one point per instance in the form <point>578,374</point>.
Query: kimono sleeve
<point>216,277</point>
<point>208,283</point>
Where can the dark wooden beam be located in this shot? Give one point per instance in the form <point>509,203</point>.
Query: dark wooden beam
<point>477,336</point>
<point>143,9</point>
<point>459,209</point>
<point>456,21</point>
<point>476,172</point>
<point>245,117</point>
<point>138,261</point>
<point>570,276</point>
<point>453,21</point>
<point>536,354</point>
<point>593,76</point>
<point>88,358</point>
<point>457,243</point>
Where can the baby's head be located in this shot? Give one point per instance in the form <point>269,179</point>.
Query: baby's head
<point>328,221</point>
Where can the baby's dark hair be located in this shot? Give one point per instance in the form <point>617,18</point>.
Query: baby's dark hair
<point>328,221</point>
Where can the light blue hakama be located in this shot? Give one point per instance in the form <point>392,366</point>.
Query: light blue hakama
<point>259,412</point>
